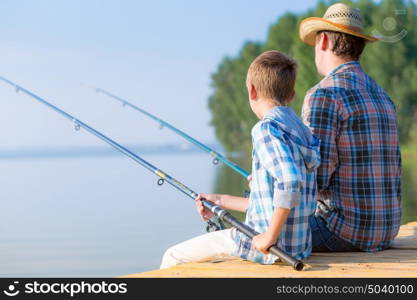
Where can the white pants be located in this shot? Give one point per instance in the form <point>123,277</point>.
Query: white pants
<point>209,246</point>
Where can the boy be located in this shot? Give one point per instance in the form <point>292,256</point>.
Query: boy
<point>283,186</point>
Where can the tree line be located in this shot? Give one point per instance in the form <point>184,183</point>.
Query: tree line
<point>392,63</point>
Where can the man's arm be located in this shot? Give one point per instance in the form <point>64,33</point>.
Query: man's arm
<point>321,115</point>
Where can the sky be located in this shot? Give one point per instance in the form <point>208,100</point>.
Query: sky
<point>157,54</point>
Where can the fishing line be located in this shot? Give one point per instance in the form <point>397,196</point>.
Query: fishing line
<point>217,157</point>
<point>218,211</point>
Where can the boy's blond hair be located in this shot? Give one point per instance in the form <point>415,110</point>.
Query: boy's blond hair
<point>273,75</point>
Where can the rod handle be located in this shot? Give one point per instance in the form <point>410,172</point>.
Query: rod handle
<point>225,216</point>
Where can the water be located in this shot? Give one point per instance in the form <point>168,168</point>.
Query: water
<point>105,216</point>
<point>409,187</point>
<point>102,216</point>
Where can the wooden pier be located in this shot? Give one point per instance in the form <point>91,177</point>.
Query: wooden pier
<point>400,261</point>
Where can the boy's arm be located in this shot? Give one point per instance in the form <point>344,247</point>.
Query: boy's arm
<point>224,201</point>
<point>277,159</point>
<point>227,201</point>
<point>263,241</point>
<point>234,203</point>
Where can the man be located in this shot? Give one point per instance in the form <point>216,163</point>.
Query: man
<point>359,177</point>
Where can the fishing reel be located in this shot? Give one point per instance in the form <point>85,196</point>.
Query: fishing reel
<point>214,224</point>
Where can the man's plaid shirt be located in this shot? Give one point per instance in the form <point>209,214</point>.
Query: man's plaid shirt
<point>359,177</point>
<point>284,162</point>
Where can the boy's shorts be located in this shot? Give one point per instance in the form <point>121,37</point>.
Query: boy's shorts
<point>210,246</point>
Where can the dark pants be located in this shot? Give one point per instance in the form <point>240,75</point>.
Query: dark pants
<point>326,241</point>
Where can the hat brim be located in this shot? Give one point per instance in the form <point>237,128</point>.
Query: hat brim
<point>310,26</point>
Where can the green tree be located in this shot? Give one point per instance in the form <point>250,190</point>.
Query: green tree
<point>232,117</point>
<point>392,64</point>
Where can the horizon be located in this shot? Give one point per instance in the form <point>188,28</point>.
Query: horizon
<point>159,55</point>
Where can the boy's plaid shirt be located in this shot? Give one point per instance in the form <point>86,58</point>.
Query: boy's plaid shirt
<point>280,178</point>
<point>359,178</point>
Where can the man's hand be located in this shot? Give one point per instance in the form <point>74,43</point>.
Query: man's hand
<point>263,241</point>
<point>205,213</point>
<point>249,178</point>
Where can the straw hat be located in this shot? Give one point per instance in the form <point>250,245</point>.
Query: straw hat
<point>338,17</point>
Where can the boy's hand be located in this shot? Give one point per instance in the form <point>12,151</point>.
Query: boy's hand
<point>205,213</point>
<point>263,241</point>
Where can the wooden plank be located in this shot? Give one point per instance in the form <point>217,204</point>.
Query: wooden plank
<point>405,242</point>
<point>400,261</point>
<point>407,237</point>
<point>389,263</point>
<point>245,269</point>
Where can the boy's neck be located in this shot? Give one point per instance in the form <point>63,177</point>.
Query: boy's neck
<point>264,106</point>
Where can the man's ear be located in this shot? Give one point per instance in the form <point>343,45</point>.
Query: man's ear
<point>324,41</point>
<point>253,94</point>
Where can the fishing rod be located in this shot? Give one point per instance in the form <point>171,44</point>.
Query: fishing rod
<point>218,211</point>
<point>217,156</point>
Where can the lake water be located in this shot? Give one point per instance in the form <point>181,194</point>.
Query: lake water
<point>101,216</point>
<point>106,216</point>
